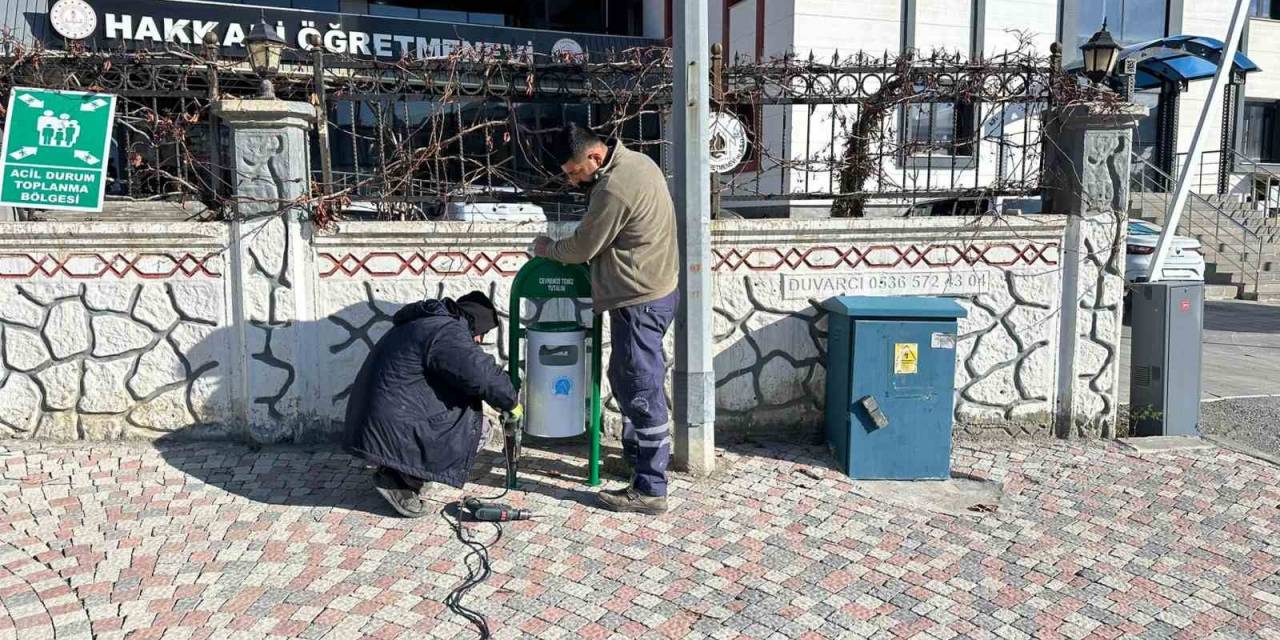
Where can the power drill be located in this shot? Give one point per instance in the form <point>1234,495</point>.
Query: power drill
<point>494,511</point>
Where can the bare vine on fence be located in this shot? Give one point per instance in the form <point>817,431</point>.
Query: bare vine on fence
<point>419,133</point>
<point>431,130</point>
<point>880,133</point>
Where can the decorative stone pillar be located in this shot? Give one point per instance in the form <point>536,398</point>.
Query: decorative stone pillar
<point>1087,156</point>
<point>270,283</point>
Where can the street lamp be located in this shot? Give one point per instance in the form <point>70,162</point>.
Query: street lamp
<point>265,46</point>
<point>1100,54</point>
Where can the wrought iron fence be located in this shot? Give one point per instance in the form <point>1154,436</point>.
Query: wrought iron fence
<point>894,129</point>
<point>405,139</point>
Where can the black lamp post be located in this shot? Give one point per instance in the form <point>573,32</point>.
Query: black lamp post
<point>265,46</point>
<point>1100,55</point>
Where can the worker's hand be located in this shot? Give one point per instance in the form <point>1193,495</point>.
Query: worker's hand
<point>542,246</point>
<point>517,412</point>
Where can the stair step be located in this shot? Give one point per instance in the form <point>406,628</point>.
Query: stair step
<point>1226,279</point>
<point>1221,291</point>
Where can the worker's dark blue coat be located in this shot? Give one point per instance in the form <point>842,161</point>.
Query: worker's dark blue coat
<point>415,405</point>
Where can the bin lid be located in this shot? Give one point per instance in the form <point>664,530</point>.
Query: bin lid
<point>894,307</point>
<point>556,327</point>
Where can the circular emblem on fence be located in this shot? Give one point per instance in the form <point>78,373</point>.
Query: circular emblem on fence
<point>567,49</point>
<point>73,19</point>
<point>728,141</point>
<point>563,386</point>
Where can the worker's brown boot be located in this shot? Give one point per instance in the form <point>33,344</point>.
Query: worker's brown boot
<point>629,500</point>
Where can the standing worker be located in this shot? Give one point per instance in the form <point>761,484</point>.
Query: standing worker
<point>414,409</point>
<point>629,238</point>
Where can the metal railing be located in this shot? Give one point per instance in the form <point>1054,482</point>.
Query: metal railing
<point>1226,174</point>
<point>1235,246</point>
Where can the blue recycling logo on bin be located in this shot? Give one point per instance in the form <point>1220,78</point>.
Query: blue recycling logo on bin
<point>563,386</point>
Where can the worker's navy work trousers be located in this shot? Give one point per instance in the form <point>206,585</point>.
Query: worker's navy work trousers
<point>637,371</point>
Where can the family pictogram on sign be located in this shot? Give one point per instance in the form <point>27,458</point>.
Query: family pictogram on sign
<point>57,131</point>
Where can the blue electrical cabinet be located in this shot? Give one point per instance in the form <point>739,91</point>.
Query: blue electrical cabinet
<point>891,365</point>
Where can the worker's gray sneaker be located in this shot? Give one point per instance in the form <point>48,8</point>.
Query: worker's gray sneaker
<point>401,498</point>
<point>629,500</point>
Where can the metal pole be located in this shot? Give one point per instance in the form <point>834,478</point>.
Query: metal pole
<point>322,118</point>
<point>695,377</point>
<point>717,89</point>
<point>1238,20</point>
<point>215,142</point>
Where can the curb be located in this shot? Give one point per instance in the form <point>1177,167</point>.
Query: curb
<point>1243,449</point>
<point>1259,396</point>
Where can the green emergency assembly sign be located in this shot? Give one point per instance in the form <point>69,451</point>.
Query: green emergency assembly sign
<point>55,149</point>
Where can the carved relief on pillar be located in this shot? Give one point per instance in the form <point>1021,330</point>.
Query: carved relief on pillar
<point>261,169</point>
<point>1106,162</point>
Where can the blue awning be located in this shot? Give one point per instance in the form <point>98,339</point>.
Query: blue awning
<point>1176,60</point>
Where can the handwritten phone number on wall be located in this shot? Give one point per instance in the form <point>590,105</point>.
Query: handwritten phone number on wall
<point>798,286</point>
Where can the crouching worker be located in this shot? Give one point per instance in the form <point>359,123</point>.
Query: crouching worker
<point>414,409</point>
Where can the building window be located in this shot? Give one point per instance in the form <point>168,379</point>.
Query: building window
<point>443,15</point>
<point>492,19</point>
<point>939,128</point>
<point>1259,135</point>
<point>316,5</point>
<point>1269,9</point>
<point>574,15</point>
<point>392,10</point>
<point>1129,21</point>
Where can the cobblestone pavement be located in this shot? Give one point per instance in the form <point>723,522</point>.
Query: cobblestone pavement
<point>220,541</point>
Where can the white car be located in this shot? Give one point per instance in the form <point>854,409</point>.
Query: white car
<point>369,209</point>
<point>1185,261</point>
<point>493,212</point>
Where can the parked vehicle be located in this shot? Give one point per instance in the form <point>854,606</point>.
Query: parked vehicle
<point>975,206</point>
<point>371,210</point>
<point>493,212</point>
<point>1185,261</point>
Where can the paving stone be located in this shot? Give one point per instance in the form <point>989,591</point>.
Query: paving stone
<point>221,541</point>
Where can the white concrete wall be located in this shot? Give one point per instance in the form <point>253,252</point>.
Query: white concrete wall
<point>824,26</point>
<point>1200,17</point>
<point>1036,19</point>
<point>1207,18</point>
<point>119,330</point>
<point>1264,49</point>
<point>779,27</point>
<point>945,25</point>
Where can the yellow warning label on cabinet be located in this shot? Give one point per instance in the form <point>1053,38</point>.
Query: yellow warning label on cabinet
<point>906,355</point>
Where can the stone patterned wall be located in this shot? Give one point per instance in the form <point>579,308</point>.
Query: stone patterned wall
<point>1088,175</point>
<point>1097,361</point>
<point>105,342</point>
<point>269,322</point>
<point>364,275</point>
<point>272,273</point>
<point>102,341</point>
<point>770,347</point>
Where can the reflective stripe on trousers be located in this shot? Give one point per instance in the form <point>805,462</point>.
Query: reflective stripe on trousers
<point>637,374</point>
